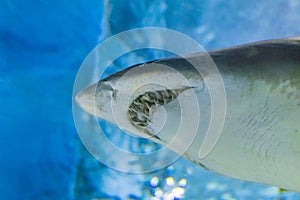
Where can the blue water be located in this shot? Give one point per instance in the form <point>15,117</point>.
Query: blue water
<point>43,43</point>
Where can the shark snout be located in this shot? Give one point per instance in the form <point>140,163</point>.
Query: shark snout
<point>86,99</point>
<point>96,100</point>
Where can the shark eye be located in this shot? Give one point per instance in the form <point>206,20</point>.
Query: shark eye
<point>105,90</point>
<point>104,85</point>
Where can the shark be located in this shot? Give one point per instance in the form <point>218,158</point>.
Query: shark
<point>260,136</point>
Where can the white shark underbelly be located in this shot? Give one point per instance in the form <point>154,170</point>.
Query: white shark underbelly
<point>260,140</point>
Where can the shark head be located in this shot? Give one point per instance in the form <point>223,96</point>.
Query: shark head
<point>135,98</point>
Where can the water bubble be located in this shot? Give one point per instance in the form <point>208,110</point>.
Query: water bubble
<point>178,192</point>
<point>154,181</point>
<point>170,181</point>
<point>170,170</point>
<point>182,183</point>
<point>158,193</point>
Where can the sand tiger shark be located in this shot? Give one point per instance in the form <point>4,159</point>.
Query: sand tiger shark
<point>260,138</point>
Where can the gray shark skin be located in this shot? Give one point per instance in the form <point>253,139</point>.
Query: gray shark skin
<point>260,140</point>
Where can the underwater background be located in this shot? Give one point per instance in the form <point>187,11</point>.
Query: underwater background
<point>42,45</point>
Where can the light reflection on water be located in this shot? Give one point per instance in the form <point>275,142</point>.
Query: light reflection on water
<point>167,188</point>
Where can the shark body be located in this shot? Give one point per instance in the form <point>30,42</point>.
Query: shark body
<point>260,139</point>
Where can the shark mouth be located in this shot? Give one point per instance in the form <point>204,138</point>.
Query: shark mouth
<point>140,111</point>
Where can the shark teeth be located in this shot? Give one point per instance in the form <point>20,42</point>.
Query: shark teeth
<point>140,111</point>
